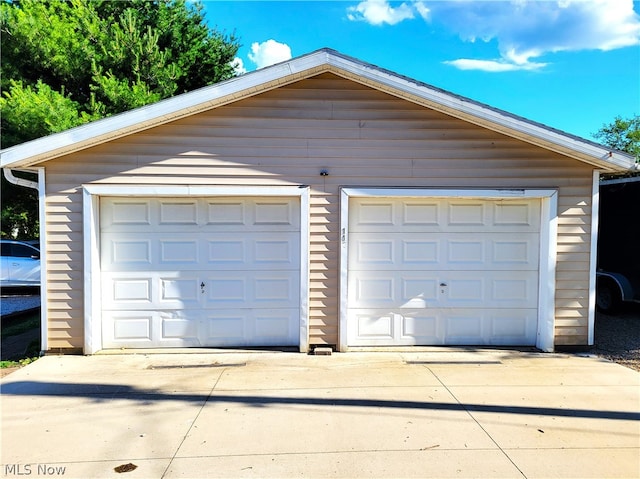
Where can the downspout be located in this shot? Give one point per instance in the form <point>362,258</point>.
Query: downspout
<point>39,186</point>
<point>8,174</point>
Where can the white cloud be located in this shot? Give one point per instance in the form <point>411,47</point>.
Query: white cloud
<point>493,65</point>
<point>269,52</point>
<point>377,12</point>
<point>238,66</point>
<point>525,30</point>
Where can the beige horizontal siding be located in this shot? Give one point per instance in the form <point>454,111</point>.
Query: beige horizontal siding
<point>362,137</point>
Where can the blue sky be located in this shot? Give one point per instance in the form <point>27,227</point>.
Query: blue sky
<point>570,64</point>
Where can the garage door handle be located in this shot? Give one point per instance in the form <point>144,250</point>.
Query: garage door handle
<point>202,287</point>
<point>443,285</point>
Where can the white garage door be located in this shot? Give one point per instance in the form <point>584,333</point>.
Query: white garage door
<point>200,272</point>
<point>442,271</point>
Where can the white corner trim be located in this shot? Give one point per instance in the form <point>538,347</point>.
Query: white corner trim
<point>595,218</point>
<point>548,250</point>
<point>343,324</point>
<point>44,305</point>
<point>304,268</point>
<point>92,276</point>
<point>547,272</point>
<point>91,231</point>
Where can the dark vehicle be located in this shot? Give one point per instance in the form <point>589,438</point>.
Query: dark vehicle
<point>20,264</point>
<point>618,273</point>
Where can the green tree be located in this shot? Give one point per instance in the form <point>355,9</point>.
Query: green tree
<point>64,63</point>
<point>623,134</point>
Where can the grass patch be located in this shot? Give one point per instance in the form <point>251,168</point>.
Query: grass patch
<point>24,350</point>
<point>18,363</point>
<point>20,324</point>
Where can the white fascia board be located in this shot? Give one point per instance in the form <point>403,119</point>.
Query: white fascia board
<point>617,181</point>
<point>172,191</point>
<point>386,192</point>
<point>487,117</point>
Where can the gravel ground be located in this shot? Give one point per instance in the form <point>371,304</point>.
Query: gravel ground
<point>618,337</point>
<point>17,300</point>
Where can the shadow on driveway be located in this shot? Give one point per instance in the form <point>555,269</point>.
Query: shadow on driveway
<point>105,392</point>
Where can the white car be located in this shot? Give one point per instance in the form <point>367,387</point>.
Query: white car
<point>20,264</point>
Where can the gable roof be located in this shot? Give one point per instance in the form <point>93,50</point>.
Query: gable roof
<point>321,61</point>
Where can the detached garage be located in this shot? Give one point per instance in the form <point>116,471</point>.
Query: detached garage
<point>320,201</point>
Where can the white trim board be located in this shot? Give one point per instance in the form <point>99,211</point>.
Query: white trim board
<point>44,270</point>
<point>595,219</point>
<point>91,231</point>
<point>548,235</point>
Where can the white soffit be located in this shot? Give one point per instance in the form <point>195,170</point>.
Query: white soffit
<point>325,60</point>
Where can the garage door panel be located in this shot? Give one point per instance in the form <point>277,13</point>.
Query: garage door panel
<point>392,289</point>
<point>121,214</point>
<point>138,290</point>
<point>178,212</point>
<point>371,326</point>
<point>488,289</point>
<point>444,215</point>
<point>147,329</point>
<point>246,289</point>
<point>256,251</point>
<point>230,252</point>
<point>133,290</point>
<point>250,327</point>
<point>180,329</point>
<point>225,214</point>
<point>464,327</point>
<point>275,326</point>
<point>180,292</point>
<point>132,327</point>
<point>516,327</point>
<point>467,213</point>
<point>407,327</point>
<point>513,327</point>
<point>178,252</point>
<point>440,251</point>
<point>226,327</point>
<point>182,272</point>
<point>151,289</point>
<point>125,252</point>
<point>382,327</point>
<point>253,215</point>
<point>387,214</point>
<point>443,271</point>
<point>226,251</point>
<point>430,289</point>
<point>420,327</point>
<point>186,290</point>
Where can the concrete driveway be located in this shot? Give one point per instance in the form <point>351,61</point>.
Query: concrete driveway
<point>425,413</point>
